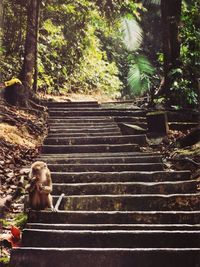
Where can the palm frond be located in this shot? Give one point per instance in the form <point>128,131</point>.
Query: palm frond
<point>132,34</point>
<point>139,75</point>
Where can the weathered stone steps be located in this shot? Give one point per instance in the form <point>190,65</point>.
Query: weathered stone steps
<point>68,113</point>
<point>130,202</point>
<point>101,154</point>
<point>95,120</point>
<point>126,188</point>
<point>110,238</point>
<point>72,104</point>
<point>106,167</point>
<point>56,134</point>
<point>81,160</point>
<point>93,148</point>
<point>85,129</point>
<point>185,227</point>
<point>121,208</point>
<point>116,217</point>
<point>139,139</point>
<point>116,257</point>
<point>128,176</point>
<point>82,125</point>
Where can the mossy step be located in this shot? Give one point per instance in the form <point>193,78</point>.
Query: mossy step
<point>128,176</point>
<point>83,134</point>
<point>115,217</point>
<point>106,167</point>
<point>89,148</point>
<point>113,257</point>
<point>82,124</point>
<point>85,130</point>
<point>102,154</point>
<point>90,120</point>
<point>81,160</point>
<point>130,202</point>
<point>110,239</point>
<point>126,188</point>
<point>72,104</point>
<point>180,227</point>
<point>119,139</point>
<point>98,108</point>
<point>65,114</point>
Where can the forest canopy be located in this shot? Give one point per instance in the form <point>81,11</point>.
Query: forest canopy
<point>120,48</point>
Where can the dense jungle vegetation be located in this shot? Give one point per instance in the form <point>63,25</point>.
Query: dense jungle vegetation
<point>121,48</point>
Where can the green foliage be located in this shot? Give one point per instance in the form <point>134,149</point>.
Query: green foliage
<point>132,34</point>
<point>70,54</point>
<point>140,69</point>
<point>81,47</point>
<point>139,75</point>
<point>13,38</point>
<point>5,261</point>
<point>95,72</point>
<point>19,221</point>
<point>185,86</point>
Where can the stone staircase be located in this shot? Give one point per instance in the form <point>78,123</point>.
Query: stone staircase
<point>121,207</point>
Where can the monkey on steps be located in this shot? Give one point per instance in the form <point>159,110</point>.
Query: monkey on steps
<point>40,187</point>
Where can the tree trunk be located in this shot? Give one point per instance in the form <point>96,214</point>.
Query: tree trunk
<point>30,44</point>
<point>171,15</point>
<point>1,21</point>
<point>20,94</point>
<point>35,84</point>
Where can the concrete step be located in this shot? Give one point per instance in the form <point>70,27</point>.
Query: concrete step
<point>84,129</point>
<point>72,104</point>
<point>139,139</point>
<point>116,130</point>
<point>93,126</point>
<point>84,134</point>
<point>115,217</point>
<point>126,188</point>
<point>110,257</point>
<point>95,109</point>
<point>99,160</point>
<point>106,167</point>
<point>93,227</point>
<point>99,154</point>
<point>130,202</point>
<point>82,119</point>
<point>69,113</point>
<point>82,124</point>
<point>130,176</point>
<point>97,119</point>
<point>89,148</point>
<point>79,120</point>
<point>110,239</point>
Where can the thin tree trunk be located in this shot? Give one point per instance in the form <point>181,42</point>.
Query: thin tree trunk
<point>30,44</point>
<point>20,94</point>
<point>166,43</point>
<point>1,37</point>
<point>1,21</point>
<point>175,19</point>
<point>171,15</point>
<point>35,84</point>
